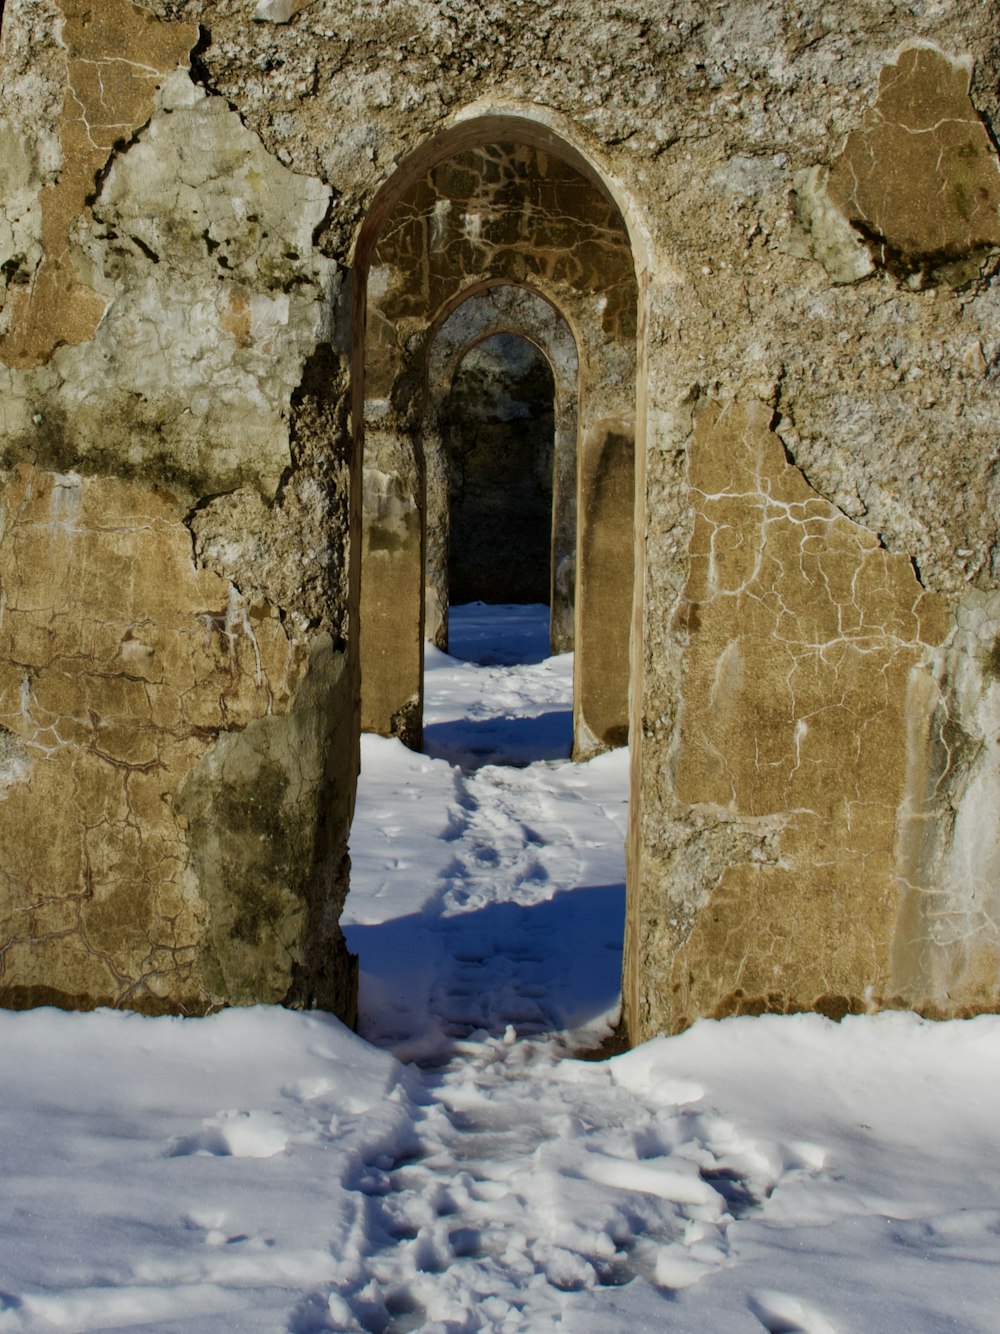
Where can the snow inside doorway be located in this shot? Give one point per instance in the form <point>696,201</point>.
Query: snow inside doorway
<point>488,868</point>
<point>500,636</point>
<point>498,697</point>
<point>488,892</point>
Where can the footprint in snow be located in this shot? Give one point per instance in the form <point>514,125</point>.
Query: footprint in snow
<point>234,1134</point>
<point>672,1179</point>
<point>782,1313</point>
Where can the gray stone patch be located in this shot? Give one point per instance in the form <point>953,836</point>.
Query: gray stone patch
<point>15,762</point>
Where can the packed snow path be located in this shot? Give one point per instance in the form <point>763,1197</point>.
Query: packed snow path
<point>488,874</point>
<point>488,910</point>
<point>264,1172</point>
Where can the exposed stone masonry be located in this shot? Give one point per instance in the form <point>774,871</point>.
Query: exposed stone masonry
<point>501,213</point>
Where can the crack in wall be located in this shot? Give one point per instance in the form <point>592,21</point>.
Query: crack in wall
<point>117,732</point>
<point>792,715</point>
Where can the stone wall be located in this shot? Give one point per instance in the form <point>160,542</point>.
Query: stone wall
<point>176,688</point>
<point>806,777</point>
<point>809,199</point>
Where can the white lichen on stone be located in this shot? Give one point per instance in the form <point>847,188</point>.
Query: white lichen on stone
<point>824,234</point>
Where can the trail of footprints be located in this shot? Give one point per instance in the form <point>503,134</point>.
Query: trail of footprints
<point>504,865</point>
<point>479,1224</point>
<point>487,1210</point>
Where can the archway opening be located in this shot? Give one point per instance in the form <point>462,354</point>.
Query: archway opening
<point>497,226</point>
<point>498,425</point>
<point>523,314</point>
<point>480,210</point>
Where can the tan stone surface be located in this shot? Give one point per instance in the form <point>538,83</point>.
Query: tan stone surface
<point>124,667</point>
<point>946,949</point>
<point>921,175</point>
<point>802,635</point>
<point>196,743</point>
<point>504,210</point>
<point>392,591</point>
<point>605,509</point>
<point>201,247</point>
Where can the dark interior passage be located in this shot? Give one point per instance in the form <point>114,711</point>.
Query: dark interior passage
<point>499,424</point>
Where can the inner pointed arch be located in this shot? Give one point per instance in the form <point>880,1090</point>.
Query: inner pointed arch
<point>484,313</point>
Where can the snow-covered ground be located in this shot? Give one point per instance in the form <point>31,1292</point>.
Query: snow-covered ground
<point>489,894</point>
<point>268,1171</point>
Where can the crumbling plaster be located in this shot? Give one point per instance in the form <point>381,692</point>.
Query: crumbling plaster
<point>702,120</point>
<point>726,135</point>
<point>135,695</point>
<point>200,250</point>
<point>177,696</point>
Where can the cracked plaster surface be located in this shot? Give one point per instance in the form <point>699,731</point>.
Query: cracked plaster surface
<point>201,244</point>
<point>123,665</point>
<point>946,952</point>
<point>207,368</point>
<point>503,210</point>
<point>116,58</point>
<point>802,634</point>
<point>920,176</point>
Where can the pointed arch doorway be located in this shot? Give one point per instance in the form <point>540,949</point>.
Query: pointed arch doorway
<point>495,202</point>
<point>499,312</point>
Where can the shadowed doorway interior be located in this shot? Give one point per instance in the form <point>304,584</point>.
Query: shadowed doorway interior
<point>498,426</point>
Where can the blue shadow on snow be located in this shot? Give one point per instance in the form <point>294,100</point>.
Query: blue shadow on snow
<point>473,742</point>
<point>492,964</point>
<point>499,635</point>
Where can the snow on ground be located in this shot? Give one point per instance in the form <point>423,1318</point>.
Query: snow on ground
<point>267,1171</point>
<point>485,894</point>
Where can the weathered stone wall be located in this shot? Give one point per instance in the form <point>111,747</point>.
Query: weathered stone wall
<point>811,199</point>
<point>870,349</point>
<point>176,691</point>
<point>803,634</point>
